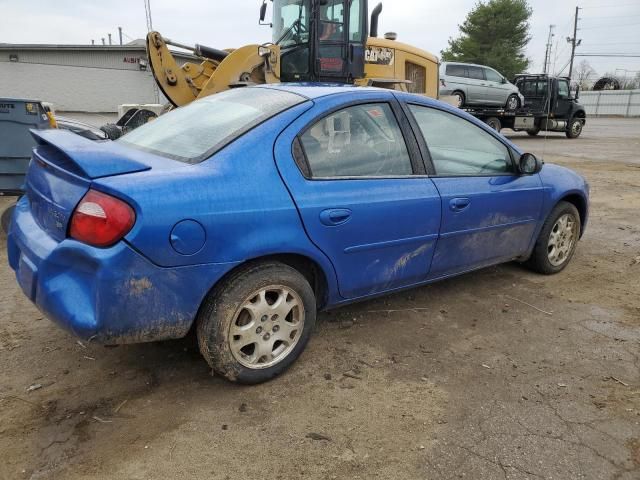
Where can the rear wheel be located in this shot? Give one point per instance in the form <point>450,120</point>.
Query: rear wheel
<point>494,123</point>
<point>256,323</point>
<point>557,241</point>
<point>459,99</point>
<point>574,129</point>
<point>513,102</point>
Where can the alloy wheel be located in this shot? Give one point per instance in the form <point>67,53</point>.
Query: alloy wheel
<point>267,327</point>
<point>561,239</point>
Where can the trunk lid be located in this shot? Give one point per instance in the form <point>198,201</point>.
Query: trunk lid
<point>61,171</point>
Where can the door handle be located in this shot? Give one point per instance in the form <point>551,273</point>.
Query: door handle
<point>459,204</point>
<point>335,216</point>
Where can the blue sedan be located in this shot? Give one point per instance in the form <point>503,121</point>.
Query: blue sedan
<point>246,212</point>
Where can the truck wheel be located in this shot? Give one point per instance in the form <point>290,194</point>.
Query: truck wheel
<point>494,123</point>
<point>533,132</point>
<point>460,99</point>
<point>256,323</point>
<point>574,129</point>
<point>557,241</point>
<point>513,103</point>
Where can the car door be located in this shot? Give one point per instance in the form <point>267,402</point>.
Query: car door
<point>476,85</point>
<point>489,212</point>
<point>355,176</point>
<point>497,91</point>
<point>563,101</point>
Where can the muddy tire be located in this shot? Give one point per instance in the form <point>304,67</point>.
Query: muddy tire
<point>557,241</point>
<point>255,324</point>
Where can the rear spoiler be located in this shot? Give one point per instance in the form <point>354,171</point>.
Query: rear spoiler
<point>93,159</point>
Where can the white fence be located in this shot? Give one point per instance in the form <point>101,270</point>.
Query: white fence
<point>625,103</point>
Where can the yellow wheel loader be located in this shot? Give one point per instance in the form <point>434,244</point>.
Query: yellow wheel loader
<point>313,41</point>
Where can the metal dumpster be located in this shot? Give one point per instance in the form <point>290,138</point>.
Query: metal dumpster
<point>17,117</point>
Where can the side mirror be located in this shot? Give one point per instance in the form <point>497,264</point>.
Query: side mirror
<point>529,164</point>
<point>263,11</point>
<point>504,80</point>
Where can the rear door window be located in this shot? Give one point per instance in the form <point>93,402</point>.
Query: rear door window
<point>456,70</point>
<point>196,131</point>
<point>477,73</point>
<point>358,141</point>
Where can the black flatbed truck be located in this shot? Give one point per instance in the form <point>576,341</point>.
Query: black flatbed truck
<point>550,105</point>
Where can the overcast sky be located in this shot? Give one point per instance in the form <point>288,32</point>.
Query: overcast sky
<point>606,26</point>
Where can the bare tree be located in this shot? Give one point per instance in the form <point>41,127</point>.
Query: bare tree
<point>583,74</point>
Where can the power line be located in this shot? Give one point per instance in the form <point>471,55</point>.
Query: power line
<point>611,26</point>
<point>611,16</point>
<point>147,12</point>
<point>612,5</point>
<point>617,55</point>
<point>610,43</point>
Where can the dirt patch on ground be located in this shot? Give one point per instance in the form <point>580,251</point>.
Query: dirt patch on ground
<point>468,378</point>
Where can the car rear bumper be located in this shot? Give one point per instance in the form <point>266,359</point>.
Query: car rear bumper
<point>112,295</point>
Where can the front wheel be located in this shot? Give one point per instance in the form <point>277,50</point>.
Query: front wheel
<point>256,323</point>
<point>557,241</point>
<point>574,129</point>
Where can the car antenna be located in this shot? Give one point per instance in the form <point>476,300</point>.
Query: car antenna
<point>548,112</point>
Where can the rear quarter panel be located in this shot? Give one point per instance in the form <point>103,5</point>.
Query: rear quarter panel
<point>237,196</point>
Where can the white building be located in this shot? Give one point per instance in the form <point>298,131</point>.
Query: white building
<point>80,78</point>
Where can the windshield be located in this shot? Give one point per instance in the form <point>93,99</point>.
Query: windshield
<point>195,132</point>
<point>290,22</point>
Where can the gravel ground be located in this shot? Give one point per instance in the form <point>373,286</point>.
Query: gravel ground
<point>498,374</point>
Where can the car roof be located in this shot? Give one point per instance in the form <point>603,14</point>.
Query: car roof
<point>316,90</point>
<point>468,64</point>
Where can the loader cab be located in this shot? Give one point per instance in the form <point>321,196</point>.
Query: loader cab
<point>320,40</point>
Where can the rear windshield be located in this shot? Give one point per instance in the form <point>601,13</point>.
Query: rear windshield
<point>532,87</point>
<point>195,132</point>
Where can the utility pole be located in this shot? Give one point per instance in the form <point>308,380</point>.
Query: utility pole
<point>120,33</point>
<point>574,41</point>
<point>547,53</point>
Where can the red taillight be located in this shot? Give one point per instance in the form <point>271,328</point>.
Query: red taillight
<point>101,220</point>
